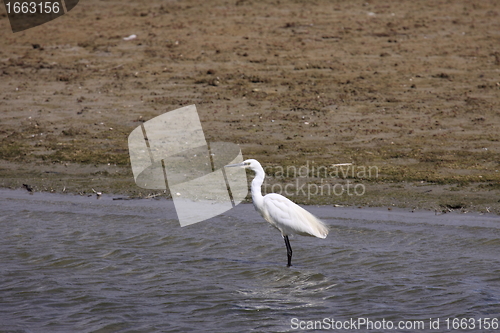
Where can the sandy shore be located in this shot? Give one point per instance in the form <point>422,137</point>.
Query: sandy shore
<point>409,88</point>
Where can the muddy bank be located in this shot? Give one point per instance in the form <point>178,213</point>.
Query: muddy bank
<point>411,88</point>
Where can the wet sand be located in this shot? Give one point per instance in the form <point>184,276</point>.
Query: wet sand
<point>412,88</point>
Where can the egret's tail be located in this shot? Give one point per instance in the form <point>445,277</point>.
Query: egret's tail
<point>316,227</point>
<point>320,228</point>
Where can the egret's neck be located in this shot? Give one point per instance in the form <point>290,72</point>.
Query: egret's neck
<point>256,185</point>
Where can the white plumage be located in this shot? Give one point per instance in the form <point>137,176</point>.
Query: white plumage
<point>285,215</point>
<point>290,218</point>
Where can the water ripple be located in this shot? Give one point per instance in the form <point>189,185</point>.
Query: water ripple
<point>82,265</point>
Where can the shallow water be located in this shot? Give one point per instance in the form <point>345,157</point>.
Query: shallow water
<point>78,264</point>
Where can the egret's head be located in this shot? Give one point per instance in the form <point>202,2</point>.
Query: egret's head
<point>250,164</point>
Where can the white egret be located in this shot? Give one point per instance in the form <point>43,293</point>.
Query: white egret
<point>282,213</point>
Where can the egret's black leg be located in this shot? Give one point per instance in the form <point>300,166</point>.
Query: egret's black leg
<point>288,250</point>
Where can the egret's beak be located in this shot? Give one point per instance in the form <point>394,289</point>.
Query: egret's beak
<point>235,165</point>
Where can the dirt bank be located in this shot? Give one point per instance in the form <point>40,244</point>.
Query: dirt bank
<point>409,87</point>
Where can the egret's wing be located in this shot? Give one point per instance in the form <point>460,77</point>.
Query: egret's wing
<point>290,218</point>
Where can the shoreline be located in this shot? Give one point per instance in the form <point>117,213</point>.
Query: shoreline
<point>395,214</point>
<point>116,180</point>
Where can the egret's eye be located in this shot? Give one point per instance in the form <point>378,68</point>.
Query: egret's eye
<point>247,163</point>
